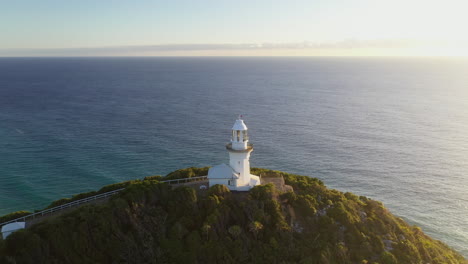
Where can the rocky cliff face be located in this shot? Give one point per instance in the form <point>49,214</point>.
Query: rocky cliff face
<point>151,222</point>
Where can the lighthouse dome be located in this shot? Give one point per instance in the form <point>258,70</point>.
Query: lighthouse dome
<point>239,125</point>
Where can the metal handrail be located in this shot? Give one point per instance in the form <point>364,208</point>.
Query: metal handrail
<point>92,198</point>
<point>185,180</point>
<point>63,206</point>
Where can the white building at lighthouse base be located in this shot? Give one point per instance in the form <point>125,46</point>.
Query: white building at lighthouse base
<point>224,174</point>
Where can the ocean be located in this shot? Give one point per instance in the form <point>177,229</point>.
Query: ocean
<point>392,129</point>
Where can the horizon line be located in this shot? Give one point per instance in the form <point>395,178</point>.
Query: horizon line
<point>344,48</point>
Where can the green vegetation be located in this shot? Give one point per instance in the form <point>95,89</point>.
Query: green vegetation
<point>59,202</point>
<point>187,173</point>
<point>151,222</point>
<point>13,215</point>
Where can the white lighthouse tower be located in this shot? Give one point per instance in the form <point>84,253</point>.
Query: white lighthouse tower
<point>237,175</point>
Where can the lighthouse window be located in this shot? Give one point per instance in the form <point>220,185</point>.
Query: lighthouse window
<point>238,135</point>
<point>244,134</point>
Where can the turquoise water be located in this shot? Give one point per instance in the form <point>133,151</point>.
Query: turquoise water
<point>390,129</point>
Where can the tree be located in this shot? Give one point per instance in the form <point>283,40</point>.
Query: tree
<point>255,228</point>
<point>235,231</point>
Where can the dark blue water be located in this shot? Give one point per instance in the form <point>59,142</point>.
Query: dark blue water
<point>391,129</point>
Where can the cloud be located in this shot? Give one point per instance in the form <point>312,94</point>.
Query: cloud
<point>349,45</point>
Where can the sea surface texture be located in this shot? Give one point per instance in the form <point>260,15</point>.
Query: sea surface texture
<point>395,130</point>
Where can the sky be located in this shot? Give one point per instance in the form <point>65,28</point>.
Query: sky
<point>233,28</point>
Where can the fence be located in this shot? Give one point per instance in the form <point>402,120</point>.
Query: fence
<point>92,198</point>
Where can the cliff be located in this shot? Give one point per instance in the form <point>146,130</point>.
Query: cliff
<point>153,222</point>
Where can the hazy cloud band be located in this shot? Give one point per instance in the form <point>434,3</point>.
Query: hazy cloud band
<point>181,48</point>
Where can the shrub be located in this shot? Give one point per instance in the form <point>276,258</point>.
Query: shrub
<point>219,190</point>
<point>14,215</point>
<point>187,173</point>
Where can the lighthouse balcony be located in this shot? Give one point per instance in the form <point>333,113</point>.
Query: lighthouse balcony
<point>249,148</point>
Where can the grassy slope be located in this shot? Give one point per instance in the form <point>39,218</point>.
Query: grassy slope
<point>150,222</point>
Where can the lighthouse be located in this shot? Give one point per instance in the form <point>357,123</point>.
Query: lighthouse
<point>236,176</point>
